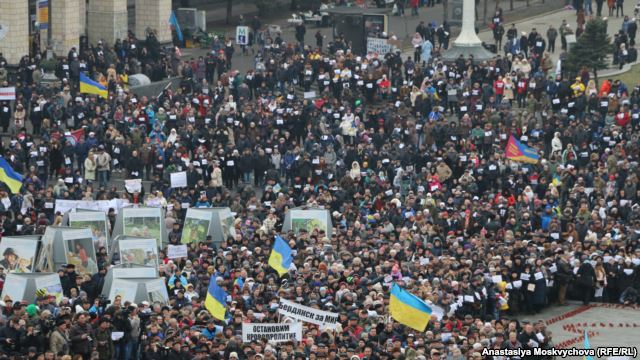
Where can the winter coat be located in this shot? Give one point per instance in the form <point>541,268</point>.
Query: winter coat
<point>216,177</point>
<point>89,169</point>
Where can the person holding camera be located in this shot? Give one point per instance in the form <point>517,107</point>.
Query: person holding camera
<point>81,336</point>
<point>121,324</point>
<point>10,336</point>
<point>104,342</point>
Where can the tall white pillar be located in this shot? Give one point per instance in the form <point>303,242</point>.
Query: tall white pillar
<point>468,36</point>
<point>468,44</point>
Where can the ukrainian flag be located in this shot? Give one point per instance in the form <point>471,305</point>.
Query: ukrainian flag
<point>408,309</point>
<point>88,86</point>
<point>216,300</point>
<point>9,176</point>
<point>239,282</point>
<point>281,256</point>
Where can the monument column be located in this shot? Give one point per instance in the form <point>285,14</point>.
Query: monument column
<point>468,43</point>
<point>468,36</point>
<point>153,14</point>
<point>65,24</point>
<point>14,20</point>
<point>107,20</point>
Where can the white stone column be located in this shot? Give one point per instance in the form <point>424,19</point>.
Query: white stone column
<point>468,36</point>
<point>153,14</point>
<point>14,18</point>
<point>65,25</point>
<point>107,20</point>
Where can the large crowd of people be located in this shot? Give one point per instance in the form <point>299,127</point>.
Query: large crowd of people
<point>407,156</point>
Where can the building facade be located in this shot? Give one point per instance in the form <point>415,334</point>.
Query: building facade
<point>105,20</point>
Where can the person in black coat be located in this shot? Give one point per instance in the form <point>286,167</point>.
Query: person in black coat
<point>528,337</point>
<point>134,165</point>
<point>586,279</point>
<point>10,335</point>
<point>562,278</point>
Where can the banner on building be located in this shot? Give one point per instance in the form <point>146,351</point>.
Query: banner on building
<point>43,14</point>
<point>304,313</point>
<point>274,333</point>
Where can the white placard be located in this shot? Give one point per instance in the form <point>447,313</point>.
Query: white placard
<point>538,275</point>
<point>304,313</point>
<point>179,179</point>
<point>274,333</point>
<point>242,35</point>
<point>133,185</point>
<point>177,251</point>
<point>64,206</point>
<point>379,46</point>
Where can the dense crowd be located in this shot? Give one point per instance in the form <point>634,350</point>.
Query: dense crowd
<point>408,157</point>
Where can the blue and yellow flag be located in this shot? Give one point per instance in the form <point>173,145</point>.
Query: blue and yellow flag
<point>281,256</point>
<point>408,309</point>
<point>9,176</point>
<point>216,300</point>
<point>88,86</point>
<point>239,282</point>
<point>176,26</point>
<point>587,345</point>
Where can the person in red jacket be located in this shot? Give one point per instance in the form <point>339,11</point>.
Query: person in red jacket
<point>498,88</point>
<point>522,91</point>
<point>623,118</point>
<point>414,7</point>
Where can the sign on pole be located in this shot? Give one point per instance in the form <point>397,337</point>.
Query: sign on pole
<point>242,35</point>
